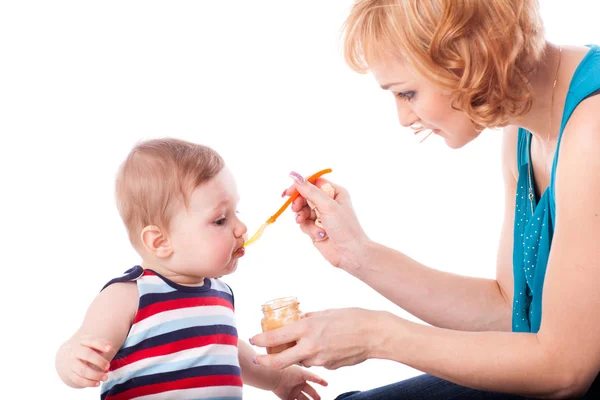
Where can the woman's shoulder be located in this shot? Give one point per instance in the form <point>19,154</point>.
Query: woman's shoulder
<point>579,155</point>
<point>580,137</point>
<point>583,128</point>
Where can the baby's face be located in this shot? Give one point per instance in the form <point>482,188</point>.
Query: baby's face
<point>207,238</point>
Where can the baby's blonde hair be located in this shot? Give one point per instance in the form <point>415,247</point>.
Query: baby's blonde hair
<point>157,176</point>
<point>484,52</point>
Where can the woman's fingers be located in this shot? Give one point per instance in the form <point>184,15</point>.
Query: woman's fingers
<point>284,359</point>
<point>298,204</point>
<point>308,191</point>
<point>306,213</point>
<point>316,234</point>
<point>285,334</point>
<point>313,314</point>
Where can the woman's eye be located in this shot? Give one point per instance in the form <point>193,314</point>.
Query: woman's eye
<point>407,96</point>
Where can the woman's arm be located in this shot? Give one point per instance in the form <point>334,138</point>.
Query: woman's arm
<point>520,363</point>
<point>439,298</point>
<point>561,360</point>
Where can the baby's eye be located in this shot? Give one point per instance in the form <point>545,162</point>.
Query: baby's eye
<point>220,221</point>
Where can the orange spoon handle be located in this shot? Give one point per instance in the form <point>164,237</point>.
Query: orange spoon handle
<point>294,196</point>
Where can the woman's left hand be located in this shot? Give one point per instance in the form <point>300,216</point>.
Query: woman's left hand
<point>332,339</point>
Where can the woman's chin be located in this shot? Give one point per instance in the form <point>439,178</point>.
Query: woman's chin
<point>457,142</point>
<point>453,144</point>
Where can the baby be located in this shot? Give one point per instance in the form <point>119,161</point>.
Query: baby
<point>166,328</point>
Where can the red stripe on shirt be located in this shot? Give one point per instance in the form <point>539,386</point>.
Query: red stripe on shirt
<point>169,305</point>
<point>174,347</point>
<point>187,383</point>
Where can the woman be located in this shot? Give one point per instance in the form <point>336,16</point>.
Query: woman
<point>455,68</point>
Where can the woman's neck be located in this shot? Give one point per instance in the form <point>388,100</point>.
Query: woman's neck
<point>543,120</point>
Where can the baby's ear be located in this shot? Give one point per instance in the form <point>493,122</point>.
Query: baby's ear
<point>156,242</point>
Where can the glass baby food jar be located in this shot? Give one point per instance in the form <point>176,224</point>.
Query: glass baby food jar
<point>277,313</point>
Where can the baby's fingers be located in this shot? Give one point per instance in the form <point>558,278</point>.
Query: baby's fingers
<point>97,344</point>
<point>81,382</point>
<point>309,390</point>
<point>309,376</point>
<point>85,376</point>
<point>90,356</point>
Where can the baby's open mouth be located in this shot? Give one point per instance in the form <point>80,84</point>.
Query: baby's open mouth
<point>239,252</point>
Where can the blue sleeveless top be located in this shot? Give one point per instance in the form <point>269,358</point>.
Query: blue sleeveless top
<point>534,218</point>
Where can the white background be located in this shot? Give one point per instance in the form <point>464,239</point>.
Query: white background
<point>264,83</point>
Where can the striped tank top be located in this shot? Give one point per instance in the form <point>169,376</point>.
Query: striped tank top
<point>182,344</point>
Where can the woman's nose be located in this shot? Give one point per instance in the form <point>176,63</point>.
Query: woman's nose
<point>406,117</point>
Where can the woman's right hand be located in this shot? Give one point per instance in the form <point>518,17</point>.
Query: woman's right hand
<point>342,240</point>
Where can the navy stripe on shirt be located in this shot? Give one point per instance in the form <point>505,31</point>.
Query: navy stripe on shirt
<point>177,335</point>
<point>152,298</point>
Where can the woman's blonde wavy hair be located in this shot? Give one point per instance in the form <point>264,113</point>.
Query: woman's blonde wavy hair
<point>483,51</point>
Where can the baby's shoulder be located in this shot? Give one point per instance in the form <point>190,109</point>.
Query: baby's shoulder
<point>123,293</point>
<point>221,286</point>
<point>131,275</point>
<point>118,301</point>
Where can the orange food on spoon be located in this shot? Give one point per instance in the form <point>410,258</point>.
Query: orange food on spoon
<point>273,218</point>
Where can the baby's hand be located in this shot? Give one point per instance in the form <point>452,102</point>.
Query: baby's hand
<point>294,384</point>
<point>85,362</point>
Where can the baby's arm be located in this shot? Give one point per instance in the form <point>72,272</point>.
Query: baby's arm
<point>288,383</point>
<point>256,375</point>
<point>83,360</point>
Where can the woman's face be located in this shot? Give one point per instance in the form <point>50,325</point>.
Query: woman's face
<point>420,101</point>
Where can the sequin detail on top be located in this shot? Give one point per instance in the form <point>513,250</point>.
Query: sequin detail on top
<point>534,218</point>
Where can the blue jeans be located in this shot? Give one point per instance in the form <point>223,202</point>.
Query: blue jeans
<point>429,387</point>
